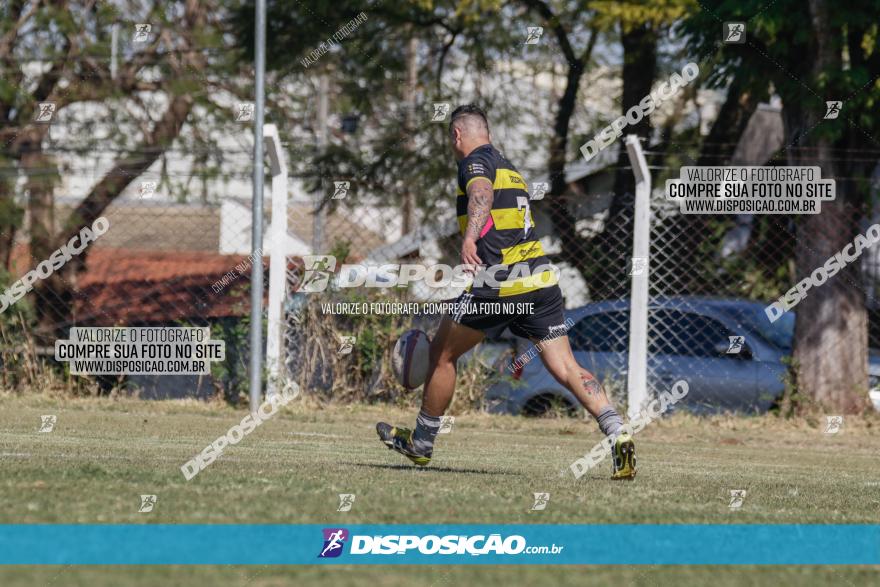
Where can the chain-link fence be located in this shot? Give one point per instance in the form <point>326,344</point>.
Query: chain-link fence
<point>145,262</point>
<point>164,264</point>
<point>710,276</point>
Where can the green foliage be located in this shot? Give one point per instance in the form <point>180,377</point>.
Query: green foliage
<point>779,35</point>
<point>181,58</point>
<point>365,373</point>
<point>630,14</point>
<point>397,152</point>
<point>231,374</point>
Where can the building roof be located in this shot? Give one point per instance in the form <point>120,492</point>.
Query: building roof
<point>122,286</point>
<point>161,261</point>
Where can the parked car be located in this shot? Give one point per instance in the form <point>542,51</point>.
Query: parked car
<point>688,338</point>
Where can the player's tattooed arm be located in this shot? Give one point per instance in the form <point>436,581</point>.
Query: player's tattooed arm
<point>480,198</point>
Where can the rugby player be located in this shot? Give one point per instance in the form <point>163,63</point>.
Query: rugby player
<point>499,232</point>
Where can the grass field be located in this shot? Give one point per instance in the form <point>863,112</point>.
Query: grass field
<point>103,454</point>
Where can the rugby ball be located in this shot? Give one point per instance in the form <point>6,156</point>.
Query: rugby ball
<point>410,358</point>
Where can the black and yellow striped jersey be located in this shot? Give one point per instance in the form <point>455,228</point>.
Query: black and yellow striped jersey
<point>507,244</point>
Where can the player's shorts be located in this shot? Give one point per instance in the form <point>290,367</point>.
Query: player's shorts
<point>538,314</point>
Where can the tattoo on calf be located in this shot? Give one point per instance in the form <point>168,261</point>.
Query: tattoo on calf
<point>590,385</point>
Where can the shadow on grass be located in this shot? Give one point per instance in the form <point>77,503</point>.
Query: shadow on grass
<point>433,469</point>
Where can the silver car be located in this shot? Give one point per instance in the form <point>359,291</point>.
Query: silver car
<point>691,338</point>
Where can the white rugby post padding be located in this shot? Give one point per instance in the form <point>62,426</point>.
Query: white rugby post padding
<point>637,377</point>
<point>278,259</point>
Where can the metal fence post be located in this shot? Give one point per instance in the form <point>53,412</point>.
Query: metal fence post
<point>637,377</point>
<point>256,350</point>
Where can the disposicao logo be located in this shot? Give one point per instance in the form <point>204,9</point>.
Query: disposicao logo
<point>334,540</point>
<point>403,544</point>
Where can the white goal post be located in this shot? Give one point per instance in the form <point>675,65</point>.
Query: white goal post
<point>278,258</point>
<point>637,393</point>
<point>637,370</point>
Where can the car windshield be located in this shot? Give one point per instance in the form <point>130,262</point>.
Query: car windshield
<point>779,333</point>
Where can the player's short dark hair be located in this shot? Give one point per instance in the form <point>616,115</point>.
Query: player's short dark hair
<point>468,110</point>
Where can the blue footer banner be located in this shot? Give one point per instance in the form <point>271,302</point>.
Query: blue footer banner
<point>608,544</point>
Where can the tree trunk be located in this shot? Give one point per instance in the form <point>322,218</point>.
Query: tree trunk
<point>56,293</point>
<point>639,72</point>
<point>412,77</point>
<point>831,333</point>
<point>562,218</point>
<point>24,139</point>
<point>40,172</point>
<point>10,218</point>
<point>557,199</point>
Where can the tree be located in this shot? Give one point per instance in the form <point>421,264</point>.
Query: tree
<point>558,154</point>
<point>811,54</point>
<point>576,29</point>
<point>397,152</point>
<point>60,53</point>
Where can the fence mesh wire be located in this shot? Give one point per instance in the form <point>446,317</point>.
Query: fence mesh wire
<point>172,264</point>
<point>710,278</point>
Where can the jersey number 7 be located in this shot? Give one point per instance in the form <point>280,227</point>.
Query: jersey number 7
<point>523,204</point>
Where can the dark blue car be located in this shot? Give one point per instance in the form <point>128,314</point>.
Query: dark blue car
<point>688,338</point>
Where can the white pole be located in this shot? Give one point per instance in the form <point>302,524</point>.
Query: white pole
<point>637,379</point>
<point>277,262</point>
